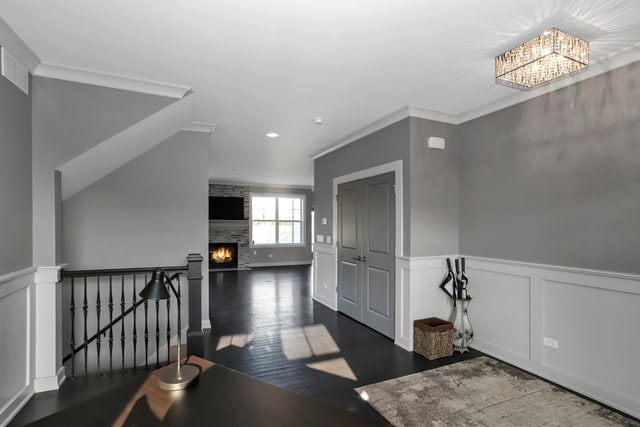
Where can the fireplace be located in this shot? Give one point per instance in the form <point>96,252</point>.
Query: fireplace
<point>223,255</point>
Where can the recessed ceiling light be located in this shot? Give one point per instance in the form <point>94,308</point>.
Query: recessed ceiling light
<point>318,120</point>
<point>272,135</point>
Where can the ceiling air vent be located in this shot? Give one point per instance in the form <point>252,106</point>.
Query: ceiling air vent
<point>14,70</point>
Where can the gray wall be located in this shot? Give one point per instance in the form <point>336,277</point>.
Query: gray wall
<point>386,145</point>
<point>556,180</point>
<point>433,226</point>
<point>150,212</point>
<point>430,181</point>
<point>68,119</point>
<point>15,178</point>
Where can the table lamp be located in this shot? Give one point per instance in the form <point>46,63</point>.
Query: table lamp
<point>183,375</point>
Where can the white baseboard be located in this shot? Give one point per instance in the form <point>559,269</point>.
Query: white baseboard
<point>323,301</point>
<point>49,383</point>
<point>278,263</point>
<point>11,409</point>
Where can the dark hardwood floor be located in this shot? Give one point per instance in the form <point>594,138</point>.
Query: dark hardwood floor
<point>265,324</point>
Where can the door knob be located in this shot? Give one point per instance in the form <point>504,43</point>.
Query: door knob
<point>363,259</point>
<point>357,258</point>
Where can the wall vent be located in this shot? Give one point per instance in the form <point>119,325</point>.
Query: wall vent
<point>13,70</point>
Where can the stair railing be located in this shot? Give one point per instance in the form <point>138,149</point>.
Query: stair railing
<point>108,324</point>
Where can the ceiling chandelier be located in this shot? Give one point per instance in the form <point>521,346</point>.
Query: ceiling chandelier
<point>548,56</point>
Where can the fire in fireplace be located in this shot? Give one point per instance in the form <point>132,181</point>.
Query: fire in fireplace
<point>223,255</point>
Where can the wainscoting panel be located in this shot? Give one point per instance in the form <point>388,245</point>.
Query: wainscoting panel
<point>16,349</point>
<point>591,316</point>
<point>499,311</point>
<point>324,275</point>
<point>418,294</point>
<point>598,325</point>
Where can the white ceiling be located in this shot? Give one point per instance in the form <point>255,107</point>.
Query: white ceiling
<point>258,66</point>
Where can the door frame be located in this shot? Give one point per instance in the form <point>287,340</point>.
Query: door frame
<point>396,168</point>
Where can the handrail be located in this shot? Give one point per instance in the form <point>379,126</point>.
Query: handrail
<point>116,271</point>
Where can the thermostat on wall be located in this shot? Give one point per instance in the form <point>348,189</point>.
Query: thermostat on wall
<point>435,143</point>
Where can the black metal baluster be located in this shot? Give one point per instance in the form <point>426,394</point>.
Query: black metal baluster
<point>169,330</point>
<point>72,309</point>
<point>98,306</point>
<point>135,331</point>
<point>85,308</point>
<point>110,323</point>
<point>146,329</point>
<point>157,333</point>
<point>178,310</point>
<point>122,341</point>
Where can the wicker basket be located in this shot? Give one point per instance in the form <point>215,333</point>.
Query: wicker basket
<point>433,338</point>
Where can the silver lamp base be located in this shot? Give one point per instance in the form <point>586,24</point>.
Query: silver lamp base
<point>170,380</point>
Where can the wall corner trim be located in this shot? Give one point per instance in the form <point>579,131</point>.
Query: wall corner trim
<point>113,81</point>
<point>200,127</point>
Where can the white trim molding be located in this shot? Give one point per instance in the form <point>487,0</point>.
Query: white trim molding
<point>418,295</point>
<point>591,315</point>
<point>114,81</point>
<point>200,127</point>
<point>49,373</point>
<point>278,263</point>
<point>324,275</point>
<point>17,308</point>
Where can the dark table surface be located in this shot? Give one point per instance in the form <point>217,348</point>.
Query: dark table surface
<point>221,397</point>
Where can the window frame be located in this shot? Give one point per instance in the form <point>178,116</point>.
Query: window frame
<point>303,220</point>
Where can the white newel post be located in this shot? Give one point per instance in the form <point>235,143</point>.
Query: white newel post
<point>49,372</point>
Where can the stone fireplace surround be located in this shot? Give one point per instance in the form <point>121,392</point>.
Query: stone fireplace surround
<point>232,231</point>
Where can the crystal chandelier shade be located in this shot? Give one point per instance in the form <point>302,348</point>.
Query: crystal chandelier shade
<point>550,55</point>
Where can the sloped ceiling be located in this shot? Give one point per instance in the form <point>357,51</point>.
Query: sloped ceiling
<point>258,67</point>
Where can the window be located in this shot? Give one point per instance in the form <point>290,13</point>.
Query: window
<point>277,220</point>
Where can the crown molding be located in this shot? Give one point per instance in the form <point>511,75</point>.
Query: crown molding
<point>602,66</point>
<point>396,116</point>
<point>423,113</point>
<point>382,123</point>
<point>113,81</point>
<point>200,127</point>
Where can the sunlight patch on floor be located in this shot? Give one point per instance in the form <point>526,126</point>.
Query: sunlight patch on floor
<point>237,340</point>
<point>308,341</point>
<point>338,367</point>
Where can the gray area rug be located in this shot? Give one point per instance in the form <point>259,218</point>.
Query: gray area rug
<point>483,392</point>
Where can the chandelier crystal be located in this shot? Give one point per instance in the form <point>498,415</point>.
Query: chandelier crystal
<point>550,55</point>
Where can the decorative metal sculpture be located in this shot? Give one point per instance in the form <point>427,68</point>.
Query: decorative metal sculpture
<point>462,329</point>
